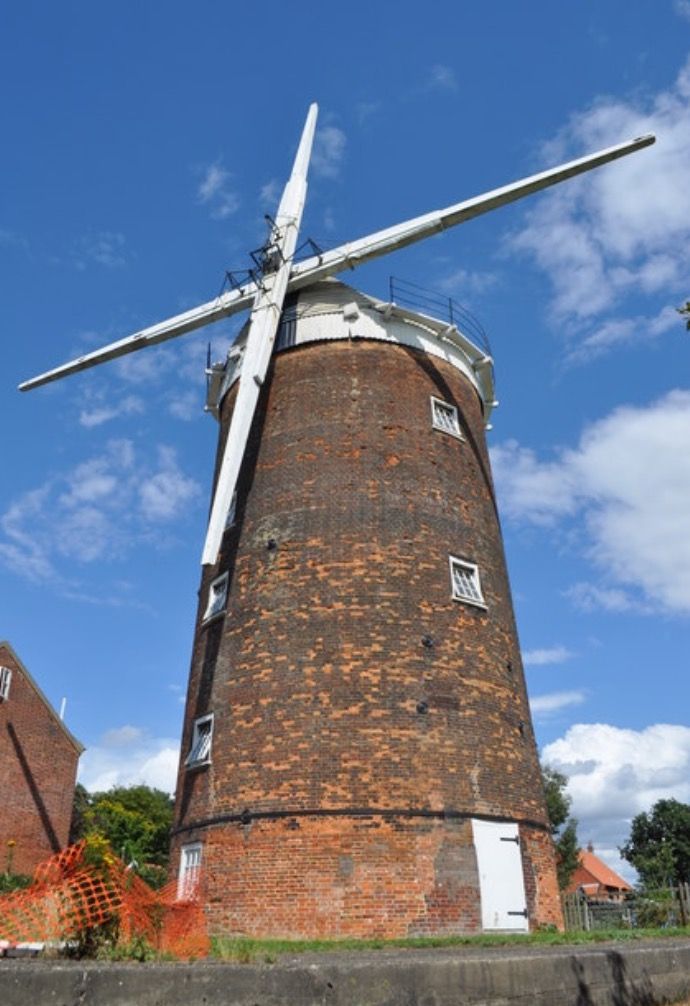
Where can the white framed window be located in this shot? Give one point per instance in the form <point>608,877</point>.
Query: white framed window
<point>190,871</point>
<point>200,751</point>
<point>232,511</point>
<point>464,581</point>
<point>5,679</point>
<point>217,597</point>
<point>444,417</point>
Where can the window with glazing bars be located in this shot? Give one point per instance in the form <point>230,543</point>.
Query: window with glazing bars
<point>232,511</point>
<point>464,578</point>
<point>444,417</point>
<point>190,869</point>
<point>200,751</point>
<point>5,679</point>
<point>217,597</point>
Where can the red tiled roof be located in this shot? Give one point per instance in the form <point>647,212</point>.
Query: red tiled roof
<point>601,872</point>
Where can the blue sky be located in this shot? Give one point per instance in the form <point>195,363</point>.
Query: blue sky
<point>144,142</point>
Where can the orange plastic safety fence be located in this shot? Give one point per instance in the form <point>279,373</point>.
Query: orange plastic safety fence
<point>70,895</point>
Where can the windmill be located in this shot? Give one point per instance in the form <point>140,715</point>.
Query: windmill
<point>357,754</point>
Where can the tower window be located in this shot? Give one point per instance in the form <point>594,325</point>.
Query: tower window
<point>190,870</point>
<point>200,751</point>
<point>5,678</point>
<point>464,580</point>
<point>217,597</point>
<point>232,511</point>
<point>444,417</point>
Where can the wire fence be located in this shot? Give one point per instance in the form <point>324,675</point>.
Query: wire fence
<point>77,893</point>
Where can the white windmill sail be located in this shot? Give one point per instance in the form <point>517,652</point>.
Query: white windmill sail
<point>263,325</point>
<point>280,276</point>
<point>346,256</point>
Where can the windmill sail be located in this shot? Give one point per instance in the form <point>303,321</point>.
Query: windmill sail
<point>346,256</point>
<point>264,321</point>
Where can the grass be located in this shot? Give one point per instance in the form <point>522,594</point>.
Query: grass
<point>247,950</point>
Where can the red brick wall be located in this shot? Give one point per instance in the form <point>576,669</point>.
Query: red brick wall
<point>324,693</point>
<point>37,775</point>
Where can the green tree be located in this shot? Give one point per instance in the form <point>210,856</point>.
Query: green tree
<point>659,844</point>
<point>135,820</point>
<point>563,826</point>
<point>685,311</point>
<point>80,805</point>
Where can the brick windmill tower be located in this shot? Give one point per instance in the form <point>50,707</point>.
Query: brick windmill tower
<point>357,754</point>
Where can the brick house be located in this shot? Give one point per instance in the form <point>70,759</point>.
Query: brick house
<point>39,758</point>
<point>596,880</point>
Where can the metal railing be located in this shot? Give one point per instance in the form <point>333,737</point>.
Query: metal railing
<point>430,302</point>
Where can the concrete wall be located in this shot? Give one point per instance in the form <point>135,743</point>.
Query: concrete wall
<point>611,975</point>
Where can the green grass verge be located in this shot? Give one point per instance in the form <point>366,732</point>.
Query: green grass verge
<point>246,950</point>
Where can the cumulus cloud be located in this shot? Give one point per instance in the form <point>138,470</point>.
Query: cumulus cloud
<point>620,230</point>
<point>214,191</point>
<point>167,491</point>
<point>329,151</point>
<point>628,484</point>
<point>95,511</point>
<point>127,756</point>
<point>547,655</point>
<point>553,702</point>
<point>614,774</point>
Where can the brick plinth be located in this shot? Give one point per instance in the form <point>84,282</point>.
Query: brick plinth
<point>343,678</point>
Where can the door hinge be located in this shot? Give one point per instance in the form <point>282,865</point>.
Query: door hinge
<point>523,913</point>
<point>516,839</point>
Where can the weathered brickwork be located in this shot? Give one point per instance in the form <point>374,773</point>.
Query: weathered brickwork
<point>39,766</point>
<point>343,676</point>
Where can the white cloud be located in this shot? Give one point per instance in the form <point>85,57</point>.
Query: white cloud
<point>615,774</point>
<point>269,193</point>
<point>547,655</point>
<point>130,405</point>
<point>553,702</point>
<point>214,191</point>
<point>127,756</point>
<point>165,493</point>
<point>682,9</point>
<point>106,248</point>
<point>187,405</point>
<point>122,736</point>
<point>95,511</point>
<point>465,282</point>
<point>628,484</point>
<point>329,151</point>
<point>618,331</point>
<point>11,239</point>
<point>160,364</point>
<point>442,78</point>
<point>589,597</point>
<point>539,491</point>
<point>365,109</point>
<point>620,230</point>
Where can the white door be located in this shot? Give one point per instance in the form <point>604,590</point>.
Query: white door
<point>501,882</point>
